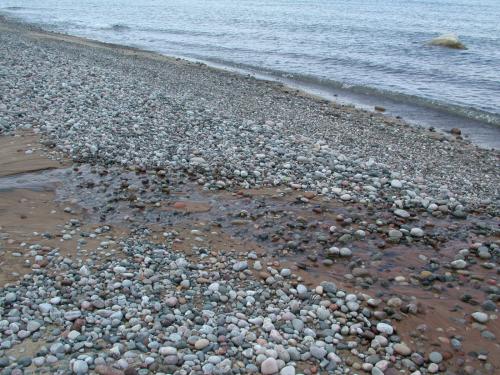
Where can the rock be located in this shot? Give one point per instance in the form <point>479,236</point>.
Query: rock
<point>433,368</point>
<point>301,289</point>
<point>240,266</point>
<point>456,131</point>
<point>385,328</point>
<point>269,366</point>
<point>448,41</point>
<point>480,317</point>
<point>435,357</point>
<point>287,370</point>
<point>285,272</point>
<point>45,308</point>
<point>80,367</point>
<point>33,326</point>
<point>72,315</point>
<point>171,301</point>
<point>317,352</point>
<point>4,362</point>
<point>401,213</point>
<point>10,297</point>
<point>24,361</point>
<point>345,252</point>
<point>402,349</point>
<point>396,184</point>
<point>417,232</point>
<point>57,348</point>
<point>201,344</point>
<point>395,234</point>
<point>458,264</point>
<point>322,313</point>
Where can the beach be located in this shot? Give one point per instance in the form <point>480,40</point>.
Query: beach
<point>163,216</point>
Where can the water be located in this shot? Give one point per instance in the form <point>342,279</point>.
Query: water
<point>366,52</point>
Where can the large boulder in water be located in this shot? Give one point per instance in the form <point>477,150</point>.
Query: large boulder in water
<point>447,40</point>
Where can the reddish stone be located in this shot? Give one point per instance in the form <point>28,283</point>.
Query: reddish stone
<point>179,205</point>
<point>78,324</point>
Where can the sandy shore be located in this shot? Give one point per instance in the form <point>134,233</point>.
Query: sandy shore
<point>161,216</point>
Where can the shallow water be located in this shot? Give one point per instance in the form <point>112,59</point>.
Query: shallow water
<point>366,52</point>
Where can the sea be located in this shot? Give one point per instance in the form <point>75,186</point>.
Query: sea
<point>364,53</point>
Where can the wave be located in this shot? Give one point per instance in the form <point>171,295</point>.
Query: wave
<point>117,27</point>
<point>181,32</point>
<point>15,8</point>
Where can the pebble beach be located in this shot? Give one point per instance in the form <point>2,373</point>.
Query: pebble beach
<point>159,216</point>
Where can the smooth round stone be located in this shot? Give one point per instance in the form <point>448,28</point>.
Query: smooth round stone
<point>287,370</point>
<point>402,349</point>
<point>171,359</point>
<point>433,368</point>
<point>385,328</point>
<point>480,317</point>
<point>456,344</point>
<point>201,344</point>
<point>396,184</point>
<point>24,361</point>
<point>10,297</point>
<point>345,252</point>
<point>301,289</point>
<point>417,232</point>
<point>401,213</point>
<point>394,233</point>
<point>57,348</point>
<point>4,362</point>
<point>80,367</point>
<point>171,301</point>
<point>352,306</point>
<point>458,264</point>
<point>435,357</point>
<point>317,352</point>
<point>286,272</point>
<point>45,308</point>
<point>33,325</point>
<point>72,315</point>
<point>269,366</point>
<point>38,361</point>
<point>168,350</point>
<point>240,266</point>
<point>323,313</point>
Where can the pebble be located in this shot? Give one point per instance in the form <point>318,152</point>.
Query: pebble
<point>402,349</point>
<point>269,366</point>
<point>435,357</point>
<point>480,317</point>
<point>10,297</point>
<point>201,344</point>
<point>80,367</point>
<point>385,328</point>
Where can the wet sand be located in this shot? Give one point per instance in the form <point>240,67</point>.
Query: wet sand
<point>284,227</point>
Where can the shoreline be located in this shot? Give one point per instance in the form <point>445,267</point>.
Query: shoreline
<point>208,222</point>
<point>482,133</point>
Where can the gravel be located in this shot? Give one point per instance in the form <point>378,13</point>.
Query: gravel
<point>97,106</point>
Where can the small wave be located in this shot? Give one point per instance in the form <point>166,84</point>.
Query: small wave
<point>117,27</point>
<point>15,8</point>
<point>181,32</point>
